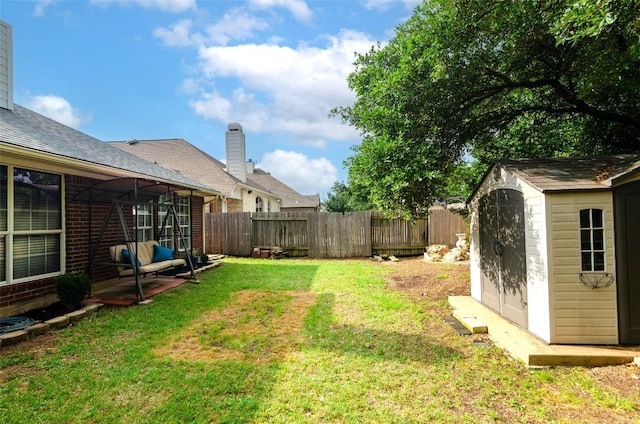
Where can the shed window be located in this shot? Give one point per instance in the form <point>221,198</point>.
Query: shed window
<point>258,204</point>
<point>592,239</point>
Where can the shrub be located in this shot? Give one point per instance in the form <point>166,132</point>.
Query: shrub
<point>72,287</point>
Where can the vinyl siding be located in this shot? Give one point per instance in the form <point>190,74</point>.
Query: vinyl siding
<point>579,314</point>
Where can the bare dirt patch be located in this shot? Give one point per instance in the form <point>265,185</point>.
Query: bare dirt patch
<point>434,281</point>
<point>256,326</point>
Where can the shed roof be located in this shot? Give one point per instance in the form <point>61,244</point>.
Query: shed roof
<point>574,173</point>
<point>27,129</point>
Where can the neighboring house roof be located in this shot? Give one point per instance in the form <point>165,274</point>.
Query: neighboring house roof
<point>572,173</point>
<point>181,156</point>
<point>24,128</point>
<point>290,197</point>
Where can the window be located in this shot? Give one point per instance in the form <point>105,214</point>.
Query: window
<point>258,204</point>
<point>30,224</point>
<point>4,212</point>
<point>165,238</point>
<point>144,222</point>
<point>183,210</point>
<point>168,237</point>
<point>592,240</point>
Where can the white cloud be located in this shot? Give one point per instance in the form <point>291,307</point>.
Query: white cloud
<point>172,6</point>
<point>299,9</point>
<point>236,24</point>
<point>284,89</point>
<point>383,4</point>
<point>179,35</point>
<point>305,175</point>
<point>58,109</point>
<point>40,7</point>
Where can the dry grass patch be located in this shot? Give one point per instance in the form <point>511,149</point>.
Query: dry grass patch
<point>256,326</point>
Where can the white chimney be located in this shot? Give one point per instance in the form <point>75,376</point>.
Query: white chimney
<point>6,66</point>
<point>236,155</point>
<point>251,167</point>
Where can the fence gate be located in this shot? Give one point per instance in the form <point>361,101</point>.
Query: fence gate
<point>282,229</point>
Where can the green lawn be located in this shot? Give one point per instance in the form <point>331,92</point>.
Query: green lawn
<point>289,341</point>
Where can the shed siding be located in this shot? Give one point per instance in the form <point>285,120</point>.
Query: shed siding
<point>536,242</point>
<point>537,263</point>
<point>579,314</point>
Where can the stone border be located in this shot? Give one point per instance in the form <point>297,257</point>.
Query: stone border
<point>39,327</point>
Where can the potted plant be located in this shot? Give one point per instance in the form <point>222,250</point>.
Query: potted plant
<point>204,259</point>
<point>195,256</point>
<point>72,287</point>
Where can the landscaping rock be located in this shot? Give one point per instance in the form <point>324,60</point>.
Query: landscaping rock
<point>37,329</point>
<point>76,315</point>
<point>440,252</point>
<point>58,322</point>
<point>92,307</point>
<point>13,337</point>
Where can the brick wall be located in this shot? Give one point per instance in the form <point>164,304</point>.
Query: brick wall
<point>197,203</point>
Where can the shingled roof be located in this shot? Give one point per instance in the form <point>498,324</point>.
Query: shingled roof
<point>27,129</point>
<point>574,173</point>
<point>290,197</point>
<point>181,156</point>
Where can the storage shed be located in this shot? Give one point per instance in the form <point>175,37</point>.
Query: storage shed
<point>555,247</point>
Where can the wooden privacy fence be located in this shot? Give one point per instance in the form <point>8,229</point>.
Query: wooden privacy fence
<point>315,234</point>
<point>444,225</point>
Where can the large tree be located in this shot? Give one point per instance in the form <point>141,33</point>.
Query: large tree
<point>343,198</point>
<point>488,80</point>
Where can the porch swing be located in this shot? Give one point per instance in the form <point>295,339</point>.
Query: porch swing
<point>131,256</point>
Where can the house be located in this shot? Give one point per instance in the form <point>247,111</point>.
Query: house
<point>244,187</point>
<point>181,156</point>
<point>292,201</point>
<point>555,247</point>
<point>246,171</point>
<point>57,189</point>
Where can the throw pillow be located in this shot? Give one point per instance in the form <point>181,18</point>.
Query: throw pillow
<point>161,253</point>
<point>126,259</point>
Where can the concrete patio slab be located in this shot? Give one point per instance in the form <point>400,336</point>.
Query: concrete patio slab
<point>534,352</point>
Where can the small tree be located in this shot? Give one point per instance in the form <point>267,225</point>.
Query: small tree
<point>72,287</point>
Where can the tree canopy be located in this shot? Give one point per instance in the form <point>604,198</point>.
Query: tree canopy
<point>486,80</point>
<point>343,198</point>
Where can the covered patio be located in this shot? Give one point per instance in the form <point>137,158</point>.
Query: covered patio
<point>125,196</point>
<point>122,292</point>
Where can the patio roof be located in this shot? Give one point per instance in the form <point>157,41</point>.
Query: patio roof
<point>126,189</point>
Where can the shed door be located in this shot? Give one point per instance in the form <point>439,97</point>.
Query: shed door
<point>627,224</point>
<point>502,252</point>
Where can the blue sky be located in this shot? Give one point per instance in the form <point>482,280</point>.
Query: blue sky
<point>153,69</point>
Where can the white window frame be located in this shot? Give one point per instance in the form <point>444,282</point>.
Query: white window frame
<point>10,235</point>
<point>144,220</point>
<point>183,211</point>
<point>167,238</point>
